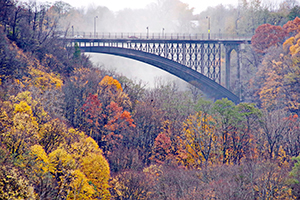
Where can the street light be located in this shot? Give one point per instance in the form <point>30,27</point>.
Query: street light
<point>95,25</point>
<point>163,30</point>
<point>208,24</point>
<point>72,31</point>
<point>147,31</point>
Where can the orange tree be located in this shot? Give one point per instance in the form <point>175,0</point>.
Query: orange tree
<point>292,27</point>
<point>107,120</point>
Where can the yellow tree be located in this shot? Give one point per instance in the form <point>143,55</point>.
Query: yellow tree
<point>20,127</point>
<point>80,168</point>
<point>52,135</point>
<point>52,156</point>
<point>93,165</point>
<point>270,182</point>
<point>46,89</point>
<point>199,142</point>
<point>109,89</point>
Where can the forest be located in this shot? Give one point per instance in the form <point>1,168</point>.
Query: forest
<point>72,130</point>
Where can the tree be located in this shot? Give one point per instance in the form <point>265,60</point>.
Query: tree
<point>52,135</point>
<point>292,27</point>
<point>162,150</point>
<point>274,129</point>
<point>108,120</point>
<point>148,119</point>
<point>170,182</point>
<point>200,141</point>
<point>234,129</point>
<point>267,35</point>
<point>280,78</point>
<point>295,12</point>
<point>77,52</point>
<point>13,184</point>
<point>131,185</point>
<point>19,123</point>
<point>175,15</point>
<point>92,109</point>
<point>79,168</point>
<point>295,174</point>
<point>12,60</point>
<point>77,88</point>
<point>93,166</point>
<point>253,14</point>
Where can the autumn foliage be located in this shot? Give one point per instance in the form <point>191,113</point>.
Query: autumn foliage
<point>267,35</point>
<point>72,131</point>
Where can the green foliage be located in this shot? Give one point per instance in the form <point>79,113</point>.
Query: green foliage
<point>295,12</point>
<point>295,174</point>
<point>77,53</point>
<point>296,170</point>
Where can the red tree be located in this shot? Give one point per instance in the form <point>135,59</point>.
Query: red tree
<point>267,35</point>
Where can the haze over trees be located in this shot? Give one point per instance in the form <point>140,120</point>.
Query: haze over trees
<point>70,130</point>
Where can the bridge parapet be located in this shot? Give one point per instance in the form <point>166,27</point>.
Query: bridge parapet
<point>155,36</point>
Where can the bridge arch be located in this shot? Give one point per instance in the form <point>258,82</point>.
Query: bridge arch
<point>208,86</point>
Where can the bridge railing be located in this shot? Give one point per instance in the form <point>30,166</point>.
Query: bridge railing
<point>155,36</point>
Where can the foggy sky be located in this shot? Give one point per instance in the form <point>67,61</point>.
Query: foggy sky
<point>116,5</point>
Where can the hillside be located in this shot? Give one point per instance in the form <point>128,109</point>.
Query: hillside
<point>70,130</point>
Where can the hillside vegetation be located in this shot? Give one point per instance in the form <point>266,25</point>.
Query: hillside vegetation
<point>70,130</point>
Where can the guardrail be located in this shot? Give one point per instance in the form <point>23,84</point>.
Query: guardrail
<point>153,36</point>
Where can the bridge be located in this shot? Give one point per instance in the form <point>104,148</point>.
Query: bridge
<point>195,58</point>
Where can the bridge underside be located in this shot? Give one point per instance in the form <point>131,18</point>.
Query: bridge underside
<point>208,86</point>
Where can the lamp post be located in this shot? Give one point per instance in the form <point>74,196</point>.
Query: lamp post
<point>208,26</point>
<point>72,31</point>
<point>147,31</point>
<point>163,30</point>
<point>95,25</point>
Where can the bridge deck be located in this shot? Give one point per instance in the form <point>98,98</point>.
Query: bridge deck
<point>120,40</point>
<point>156,36</point>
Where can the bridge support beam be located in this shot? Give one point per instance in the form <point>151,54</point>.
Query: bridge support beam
<point>198,61</point>
<point>228,49</point>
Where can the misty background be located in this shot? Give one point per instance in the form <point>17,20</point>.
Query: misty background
<point>169,17</point>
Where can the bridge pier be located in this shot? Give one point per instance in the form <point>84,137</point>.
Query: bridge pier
<point>228,49</point>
